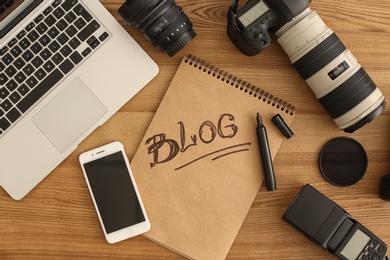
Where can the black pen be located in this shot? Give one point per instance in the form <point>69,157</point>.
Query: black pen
<point>265,154</point>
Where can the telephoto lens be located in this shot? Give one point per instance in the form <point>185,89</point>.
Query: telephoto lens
<point>339,82</point>
<point>163,23</point>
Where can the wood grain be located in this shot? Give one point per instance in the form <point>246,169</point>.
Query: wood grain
<point>57,219</point>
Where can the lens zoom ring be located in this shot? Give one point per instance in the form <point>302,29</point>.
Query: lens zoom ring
<point>349,94</point>
<point>320,56</point>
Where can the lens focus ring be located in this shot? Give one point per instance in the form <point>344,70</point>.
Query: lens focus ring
<point>320,56</point>
<point>349,94</point>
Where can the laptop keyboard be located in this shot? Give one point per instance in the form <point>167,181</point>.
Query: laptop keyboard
<point>43,53</point>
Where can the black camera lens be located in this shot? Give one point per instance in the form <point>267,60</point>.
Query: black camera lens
<point>163,22</point>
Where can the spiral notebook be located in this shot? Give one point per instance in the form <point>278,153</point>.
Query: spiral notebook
<point>198,167</point>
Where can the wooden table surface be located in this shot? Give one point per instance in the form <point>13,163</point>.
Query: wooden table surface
<point>57,219</point>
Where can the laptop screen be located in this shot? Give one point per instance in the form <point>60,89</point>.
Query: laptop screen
<point>13,11</point>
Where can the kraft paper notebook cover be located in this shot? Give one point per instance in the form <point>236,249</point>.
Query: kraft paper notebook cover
<point>198,167</point>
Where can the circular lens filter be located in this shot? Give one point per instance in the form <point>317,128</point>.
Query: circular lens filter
<point>343,161</point>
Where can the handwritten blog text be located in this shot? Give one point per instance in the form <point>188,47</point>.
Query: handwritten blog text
<point>224,128</point>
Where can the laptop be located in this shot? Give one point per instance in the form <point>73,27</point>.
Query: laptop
<point>66,66</point>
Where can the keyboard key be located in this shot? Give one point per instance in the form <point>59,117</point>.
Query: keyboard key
<point>40,90</point>
<point>48,10</point>
<point>28,70</point>
<point>4,124</point>
<point>2,66</point>
<point>24,43</point>
<point>41,28</point>
<point>53,32</point>
<point>27,55</point>
<point>48,66</point>
<point>11,85</point>
<point>3,79</point>
<point>57,58</point>
<point>95,44</point>
<point>75,57</point>
<point>66,66</point>
<point>45,54</point>
<point>54,46</point>
<point>36,48</point>
<point>91,40</point>
<point>103,36</point>
<point>63,38</point>
<point>6,105</point>
<point>30,26</point>
<point>80,10</point>
<point>16,51</point>
<point>13,115</point>
<point>23,89</point>
<point>20,77</point>
<point>56,3</point>
<point>68,4</point>
<point>44,40</point>
<point>61,24</point>
<point>3,50</point>
<point>40,74</point>
<point>7,59</point>
<point>70,17</point>
<point>33,36</point>
<point>58,13</point>
<point>10,71</point>
<point>50,20</point>
<point>21,34</point>
<point>37,62</point>
<point>74,43</point>
<point>3,93</point>
<point>86,52</point>
<point>12,42</point>
<point>15,97</point>
<point>32,82</point>
<point>88,31</point>
<point>39,18</point>
<point>66,51</point>
<point>71,31</point>
<point>79,23</point>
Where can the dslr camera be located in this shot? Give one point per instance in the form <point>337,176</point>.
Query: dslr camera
<point>338,81</point>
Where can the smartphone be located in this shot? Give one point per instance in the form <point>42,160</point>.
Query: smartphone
<point>114,192</point>
<point>331,227</point>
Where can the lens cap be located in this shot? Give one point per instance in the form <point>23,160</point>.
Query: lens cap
<point>343,161</point>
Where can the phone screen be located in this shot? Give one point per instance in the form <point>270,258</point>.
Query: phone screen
<point>114,192</point>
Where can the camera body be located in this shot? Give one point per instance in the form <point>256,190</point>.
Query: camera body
<point>338,81</point>
<point>248,27</point>
<point>331,227</point>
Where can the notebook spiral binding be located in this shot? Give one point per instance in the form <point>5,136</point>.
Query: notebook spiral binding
<point>240,84</point>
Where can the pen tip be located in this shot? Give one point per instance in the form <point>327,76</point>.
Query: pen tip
<point>259,120</point>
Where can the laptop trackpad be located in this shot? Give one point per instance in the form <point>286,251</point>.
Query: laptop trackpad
<point>72,112</point>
